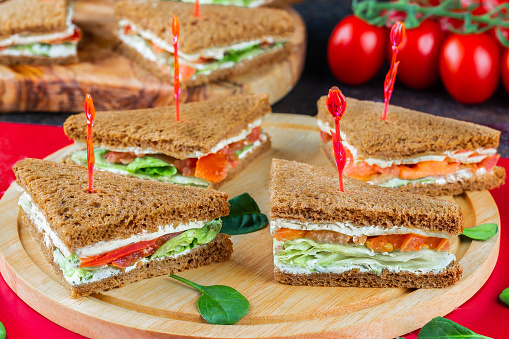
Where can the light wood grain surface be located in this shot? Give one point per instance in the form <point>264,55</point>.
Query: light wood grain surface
<point>161,306</point>
<point>117,83</point>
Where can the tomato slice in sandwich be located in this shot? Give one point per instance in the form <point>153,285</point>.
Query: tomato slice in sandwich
<point>212,167</point>
<point>104,259</point>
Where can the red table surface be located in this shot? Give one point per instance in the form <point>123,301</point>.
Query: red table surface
<point>483,313</point>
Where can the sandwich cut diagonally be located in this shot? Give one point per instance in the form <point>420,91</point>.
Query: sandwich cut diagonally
<point>37,32</point>
<point>214,140</point>
<point>366,236</point>
<point>223,41</point>
<point>127,230</point>
<point>414,151</point>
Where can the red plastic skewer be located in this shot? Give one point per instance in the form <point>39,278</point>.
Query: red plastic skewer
<point>176,71</point>
<point>90,113</point>
<point>336,104</point>
<point>196,8</point>
<point>397,37</point>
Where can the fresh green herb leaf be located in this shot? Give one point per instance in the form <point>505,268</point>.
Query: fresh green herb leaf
<point>245,216</point>
<point>3,332</point>
<point>481,232</point>
<point>219,305</point>
<point>504,296</point>
<point>441,328</point>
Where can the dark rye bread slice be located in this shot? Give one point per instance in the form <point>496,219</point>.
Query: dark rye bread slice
<point>120,208</point>
<point>306,193</point>
<point>218,250</point>
<point>223,73</point>
<point>354,278</point>
<point>32,17</point>
<point>217,26</point>
<point>405,133</point>
<point>477,182</point>
<point>203,125</point>
<point>10,60</point>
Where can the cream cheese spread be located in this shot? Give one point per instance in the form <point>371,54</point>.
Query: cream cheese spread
<point>463,157</point>
<point>350,229</point>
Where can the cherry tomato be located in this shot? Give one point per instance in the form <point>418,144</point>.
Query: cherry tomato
<point>419,54</point>
<point>356,50</point>
<point>505,69</point>
<point>469,67</point>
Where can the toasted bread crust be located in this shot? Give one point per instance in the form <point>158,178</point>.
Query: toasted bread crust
<point>32,17</point>
<point>477,182</point>
<point>306,193</point>
<point>405,133</point>
<point>218,250</point>
<point>120,207</point>
<point>354,278</point>
<point>203,125</point>
<point>11,60</point>
<point>217,26</point>
<point>220,74</point>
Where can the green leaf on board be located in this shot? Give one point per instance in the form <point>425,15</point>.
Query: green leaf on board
<point>219,304</point>
<point>245,216</point>
<point>481,232</point>
<point>442,328</point>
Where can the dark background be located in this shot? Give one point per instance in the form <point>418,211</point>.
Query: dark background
<point>321,16</point>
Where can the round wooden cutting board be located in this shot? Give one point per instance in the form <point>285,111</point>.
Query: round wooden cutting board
<point>161,306</point>
<point>117,83</point>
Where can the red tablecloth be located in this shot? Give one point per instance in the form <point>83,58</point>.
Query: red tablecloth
<point>483,313</point>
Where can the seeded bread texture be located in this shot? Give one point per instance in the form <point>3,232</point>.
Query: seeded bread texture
<point>220,74</point>
<point>306,193</point>
<point>203,125</point>
<point>11,60</point>
<point>120,207</point>
<point>217,26</point>
<point>477,182</point>
<point>218,250</point>
<point>405,133</point>
<point>387,279</point>
<point>32,17</point>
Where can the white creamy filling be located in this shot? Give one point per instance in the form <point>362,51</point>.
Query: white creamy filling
<point>50,51</point>
<point>350,229</point>
<point>239,3</point>
<point>138,150</point>
<point>42,225</point>
<point>256,144</point>
<point>214,53</point>
<point>462,157</point>
<point>20,39</point>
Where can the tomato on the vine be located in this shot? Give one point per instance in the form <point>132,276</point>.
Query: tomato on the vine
<point>419,54</point>
<point>469,67</point>
<point>505,69</point>
<point>356,50</point>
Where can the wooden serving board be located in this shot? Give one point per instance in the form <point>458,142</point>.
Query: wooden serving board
<point>117,83</point>
<point>161,306</point>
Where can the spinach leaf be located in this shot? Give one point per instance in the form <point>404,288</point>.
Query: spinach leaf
<point>245,216</point>
<point>3,332</point>
<point>504,296</point>
<point>442,328</point>
<point>219,304</point>
<point>481,232</point>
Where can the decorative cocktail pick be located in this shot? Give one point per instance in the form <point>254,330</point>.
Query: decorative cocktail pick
<point>336,103</point>
<point>196,8</point>
<point>176,71</point>
<point>90,113</point>
<point>397,37</point>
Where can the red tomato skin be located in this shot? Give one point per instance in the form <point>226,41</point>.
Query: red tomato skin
<point>419,54</point>
<point>505,69</point>
<point>469,67</point>
<point>356,50</point>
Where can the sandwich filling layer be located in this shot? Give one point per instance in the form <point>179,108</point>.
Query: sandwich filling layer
<point>207,61</point>
<point>308,248</point>
<point>108,258</point>
<point>52,45</point>
<point>198,169</point>
<point>441,169</point>
<point>238,3</point>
